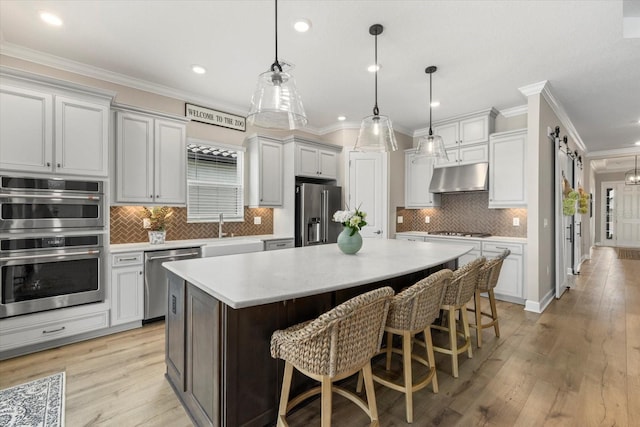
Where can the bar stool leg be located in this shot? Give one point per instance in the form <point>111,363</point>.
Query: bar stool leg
<point>326,401</point>
<point>494,312</point>
<point>431,357</point>
<point>408,381</point>
<point>284,395</point>
<point>371,393</point>
<point>389,349</point>
<point>478,312</point>
<point>467,333</point>
<point>454,341</point>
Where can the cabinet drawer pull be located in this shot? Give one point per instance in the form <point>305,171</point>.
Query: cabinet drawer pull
<point>501,247</point>
<point>128,259</point>
<point>54,330</point>
<point>281,244</point>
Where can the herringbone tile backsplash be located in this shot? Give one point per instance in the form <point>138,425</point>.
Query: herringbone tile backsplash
<point>126,225</point>
<point>465,212</point>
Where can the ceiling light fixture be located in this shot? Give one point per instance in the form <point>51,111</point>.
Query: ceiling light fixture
<point>637,142</point>
<point>198,69</point>
<point>302,25</point>
<point>431,145</point>
<point>376,131</point>
<point>373,68</point>
<point>632,177</point>
<point>50,19</point>
<point>342,118</point>
<point>275,102</point>
<point>435,104</point>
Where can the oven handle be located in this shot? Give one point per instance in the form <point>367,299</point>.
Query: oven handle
<point>49,196</point>
<point>42,256</point>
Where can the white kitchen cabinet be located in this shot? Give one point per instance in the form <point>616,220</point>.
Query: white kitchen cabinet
<point>418,173</point>
<point>475,253</point>
<point>465,137</point>
<point>28,143</point>
<point>36,330</point>
<point>507,177</point>
<point>315,161</point>
<point>510,285</point>
<point>150,157</point>
<point>265,172</point>
<point>127,288</point>
<point>273,245</point>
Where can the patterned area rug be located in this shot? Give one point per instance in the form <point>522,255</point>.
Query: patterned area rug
<point>628,253</point>
<point>36,403</point>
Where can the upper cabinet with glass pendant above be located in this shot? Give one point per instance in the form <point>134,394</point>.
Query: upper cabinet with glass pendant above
<point>51,126</point>
<point>466,137</point>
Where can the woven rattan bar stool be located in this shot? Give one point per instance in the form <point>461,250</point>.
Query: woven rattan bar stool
<point>334,346</point>
<point>411,312</point>
<point>487,280</point>
<point>456,296</point>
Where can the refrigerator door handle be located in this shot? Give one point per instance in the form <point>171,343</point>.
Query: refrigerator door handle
<point>325,216</point>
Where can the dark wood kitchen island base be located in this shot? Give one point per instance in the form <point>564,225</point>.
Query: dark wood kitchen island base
<point>218,357</point>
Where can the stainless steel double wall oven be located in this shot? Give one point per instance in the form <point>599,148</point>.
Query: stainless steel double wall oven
<point>51,244</point>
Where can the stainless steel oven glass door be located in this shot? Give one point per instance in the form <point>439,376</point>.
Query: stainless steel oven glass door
<point>40,274</point>
<point>28,204</point>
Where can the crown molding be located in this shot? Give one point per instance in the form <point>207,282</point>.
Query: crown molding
<point>515,111</point>
<point>544,88</point>
<point>68,65</point>
<point>616,152</point>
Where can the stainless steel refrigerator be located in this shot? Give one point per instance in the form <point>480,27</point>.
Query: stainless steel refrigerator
<point>315,206</point>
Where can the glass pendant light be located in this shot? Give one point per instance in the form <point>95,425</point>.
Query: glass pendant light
<point>431,145</point>
<point>376,131</point>
<point>632,177</point>
<point>275,102</point>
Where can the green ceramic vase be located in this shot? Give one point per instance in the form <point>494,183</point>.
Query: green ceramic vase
<point>349,244</point>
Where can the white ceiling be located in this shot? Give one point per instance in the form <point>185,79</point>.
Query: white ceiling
<point>484,50</point>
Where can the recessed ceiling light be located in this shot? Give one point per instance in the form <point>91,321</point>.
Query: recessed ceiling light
<point>373,68</point>
<point>198,69</point>
<point>302,25</point>
<point>50,19</point>
<point>435,104</point>
<point>637,142</point>
<point>342,118</point>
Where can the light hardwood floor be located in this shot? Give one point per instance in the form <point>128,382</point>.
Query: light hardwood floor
<point>577,364</point>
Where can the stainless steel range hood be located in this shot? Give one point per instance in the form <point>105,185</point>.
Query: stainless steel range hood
<point>453,179</point>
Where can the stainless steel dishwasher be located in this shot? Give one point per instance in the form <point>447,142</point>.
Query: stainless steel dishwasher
<point>155,279</point>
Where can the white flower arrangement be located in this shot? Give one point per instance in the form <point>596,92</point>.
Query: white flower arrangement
<point>353,219</point>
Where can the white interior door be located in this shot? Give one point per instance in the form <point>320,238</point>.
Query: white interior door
<point>564,225</point>
<point>628,215</point>
<point>368,191</point>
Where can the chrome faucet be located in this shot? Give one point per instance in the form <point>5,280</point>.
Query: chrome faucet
<point>220,222</point>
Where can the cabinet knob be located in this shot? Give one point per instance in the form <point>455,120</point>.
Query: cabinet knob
<point>140,272</point>
<point>48,164</point>
<point>59,165</point>
<point>157,196</point>
<point>151,196</point>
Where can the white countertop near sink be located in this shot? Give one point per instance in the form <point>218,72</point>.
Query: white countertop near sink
<point>192,243</point>
<point>488,239</point>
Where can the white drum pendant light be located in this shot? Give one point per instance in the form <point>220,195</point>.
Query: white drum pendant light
<point>275,103</point>
<point>376,131</point>
<point>431,145</point>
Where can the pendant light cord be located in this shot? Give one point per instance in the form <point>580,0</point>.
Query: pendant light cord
<point>376,111</point>
<point>430,93</point>
<point>276,64</point>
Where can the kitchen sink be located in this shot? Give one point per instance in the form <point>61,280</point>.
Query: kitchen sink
<point>231,246</point>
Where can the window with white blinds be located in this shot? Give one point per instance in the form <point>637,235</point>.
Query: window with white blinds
<point>214,183</point>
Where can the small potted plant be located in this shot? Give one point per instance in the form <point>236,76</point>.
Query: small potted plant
<point>158,220</point>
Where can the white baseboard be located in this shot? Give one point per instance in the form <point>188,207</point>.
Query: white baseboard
<point>540,306</point>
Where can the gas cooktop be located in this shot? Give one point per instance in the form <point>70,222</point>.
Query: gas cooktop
<point>459,233</point>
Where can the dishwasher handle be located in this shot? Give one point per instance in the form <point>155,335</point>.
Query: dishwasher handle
<point>173,257</point>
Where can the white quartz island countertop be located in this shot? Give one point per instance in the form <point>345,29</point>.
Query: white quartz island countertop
<point>247,280</point>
